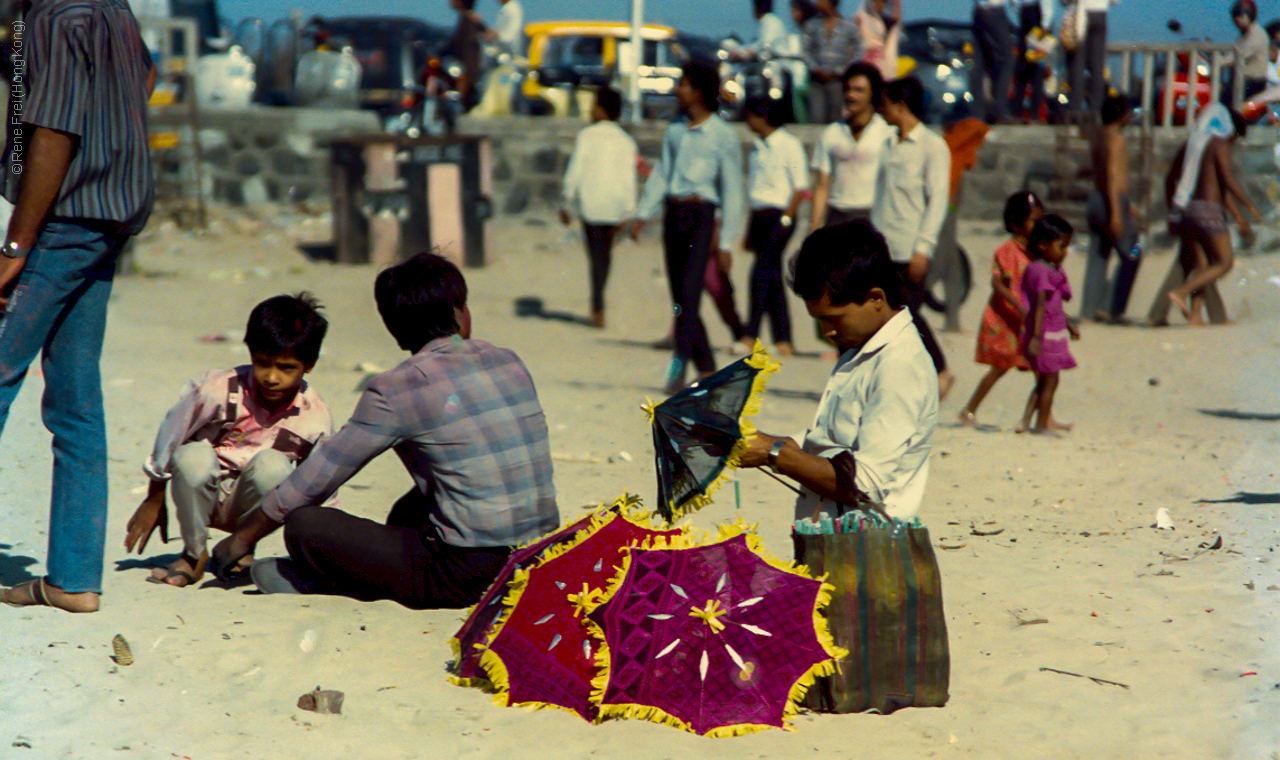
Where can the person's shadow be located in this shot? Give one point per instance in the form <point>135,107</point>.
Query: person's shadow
<point>1236,414</point>
<point>1246,497</point>
<point>13,567</point>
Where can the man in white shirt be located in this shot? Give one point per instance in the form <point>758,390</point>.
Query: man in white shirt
<point>508,28</point>
<point>777,177</point>
<point>911,201</point>
<point>771,35</point>
<point>870,440</point>
<point>600,182</point>
<point>848,154</point>
<point>1091,53</point>
<point>1252,53</point>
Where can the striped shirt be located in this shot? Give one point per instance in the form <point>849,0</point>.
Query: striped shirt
<point>82,69</point>
<point>464,418</point>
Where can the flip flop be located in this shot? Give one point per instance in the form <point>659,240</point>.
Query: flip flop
<point>39,597</point>
<point>192,576</point>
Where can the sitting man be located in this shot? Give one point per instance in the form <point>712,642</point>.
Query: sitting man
<point>465,420</point>
<point>871,438</point>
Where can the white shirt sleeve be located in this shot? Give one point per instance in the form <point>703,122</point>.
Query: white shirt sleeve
<point>890,426</point>
<point>571,187</point>
<point>796,167</point>
<point>937,182</point>
<point>821,161</point>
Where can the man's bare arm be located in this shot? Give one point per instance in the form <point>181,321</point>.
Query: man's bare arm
<point>821,195</point>
<point>45,167</point>
<point>1227,176</point>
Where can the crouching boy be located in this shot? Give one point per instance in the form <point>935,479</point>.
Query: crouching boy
<point>234,435</point>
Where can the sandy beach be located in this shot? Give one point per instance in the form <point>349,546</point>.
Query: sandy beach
<point>1175,418</point>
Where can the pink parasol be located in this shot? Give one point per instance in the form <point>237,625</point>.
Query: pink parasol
<point>540,653</point>
<point>719,640</point>
<point>477,631</point>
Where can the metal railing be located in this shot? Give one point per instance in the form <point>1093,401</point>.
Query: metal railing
<point>1149,73</point>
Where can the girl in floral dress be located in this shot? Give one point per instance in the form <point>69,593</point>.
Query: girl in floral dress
<point>1046,330</point>
<point>1000,334</point>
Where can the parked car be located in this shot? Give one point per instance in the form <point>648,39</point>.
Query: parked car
<point>570,59</point>
<point>940,54</point>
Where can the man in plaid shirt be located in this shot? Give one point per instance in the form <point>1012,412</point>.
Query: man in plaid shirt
<point>464,418</point>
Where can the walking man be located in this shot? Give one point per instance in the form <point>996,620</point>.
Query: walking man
<point>777,178</point>
<point>698,174</point>
<point>848,154</point>
<point>911,202</point>
<point>1111,220</point>
<point>600,183</point>
<point>79,175</point>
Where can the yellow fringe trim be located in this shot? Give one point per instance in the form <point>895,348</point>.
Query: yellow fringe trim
<point>759,360</point>
<point>691,539</point>
<point>629,508</point>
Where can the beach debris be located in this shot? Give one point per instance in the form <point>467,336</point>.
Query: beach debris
<point>120,650</point>
<point>1163,520</point>
<point>1096,680</point>
<point>1210,547</point>
<point>1249,673</point>
<point>369,367</point>
<point>1153,381</point>
<point>324,701</point>
<point>976,531</point>
<point>1026,617</point>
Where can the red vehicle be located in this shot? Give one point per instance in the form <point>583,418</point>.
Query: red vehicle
<point>1253,110</point>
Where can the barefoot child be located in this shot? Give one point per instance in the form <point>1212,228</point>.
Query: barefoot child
<point>999,336</point>
<point>234,435</point>
<point>1046,330</point>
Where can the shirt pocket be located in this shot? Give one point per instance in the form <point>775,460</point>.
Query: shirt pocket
<point>699,168</point>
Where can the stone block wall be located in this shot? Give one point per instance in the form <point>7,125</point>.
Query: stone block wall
<point>254,155</point>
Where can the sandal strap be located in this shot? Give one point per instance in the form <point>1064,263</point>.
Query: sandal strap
<point>38,592</point>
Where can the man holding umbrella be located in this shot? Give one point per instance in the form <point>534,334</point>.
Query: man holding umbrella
<point>871,437</point>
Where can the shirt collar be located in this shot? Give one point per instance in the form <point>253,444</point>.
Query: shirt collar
<point>885,335</point>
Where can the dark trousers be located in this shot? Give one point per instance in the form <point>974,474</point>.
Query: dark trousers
<point>993,60</point>
<point>841,215</point>
<point>599,239</point>
<point>1092,54</point>
<point>687,232</point>
<point>913,294</point>
<point>1093,295</point>
<point>403,560</point>
<point>1028,74</point>
<point>768,238</point>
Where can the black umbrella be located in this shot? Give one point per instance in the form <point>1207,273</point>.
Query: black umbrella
<point>703,429</point>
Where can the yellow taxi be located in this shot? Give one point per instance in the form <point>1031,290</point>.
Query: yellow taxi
<point>568,60</point>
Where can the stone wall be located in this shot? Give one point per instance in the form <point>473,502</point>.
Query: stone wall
<point>530,154</point>
<point>254,155</point>
<point>277,155</point>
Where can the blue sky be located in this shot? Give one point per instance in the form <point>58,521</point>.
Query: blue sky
<point>1131,20</point>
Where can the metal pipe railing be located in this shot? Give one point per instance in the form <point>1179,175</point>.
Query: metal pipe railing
<point>1168,99</point>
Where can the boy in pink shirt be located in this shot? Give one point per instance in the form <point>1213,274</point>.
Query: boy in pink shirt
<point>234,435</point>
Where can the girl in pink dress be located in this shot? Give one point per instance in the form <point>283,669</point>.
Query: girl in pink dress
<point>1046,331</point>
<point>1000,334</point>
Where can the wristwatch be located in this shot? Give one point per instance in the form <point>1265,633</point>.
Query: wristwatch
<point>786,220</point>
<point>12,250</point>
<point>774,451</point>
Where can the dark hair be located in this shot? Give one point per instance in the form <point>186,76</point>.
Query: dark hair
<point>764,6</point>
<point>610,101</point>
<point>907,91</point>
<point>766,108</point>
<point>807,11</point>
<point>873,75</point>
<point>467,5</point>
<point>1115,108</point>
<point>845,261</point>
<point>1047,230</point>
<point>418,299</point>
<point>1018,208</point>
<point>705,79</point>
<point>1245,8</point>
<point>1273,28</point>
<point>287,323</point>
<point>1237,120</point>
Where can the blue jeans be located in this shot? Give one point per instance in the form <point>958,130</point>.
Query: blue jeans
<point>60,306</point>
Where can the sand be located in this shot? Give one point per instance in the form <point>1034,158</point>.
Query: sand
<point>1177,418</point>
